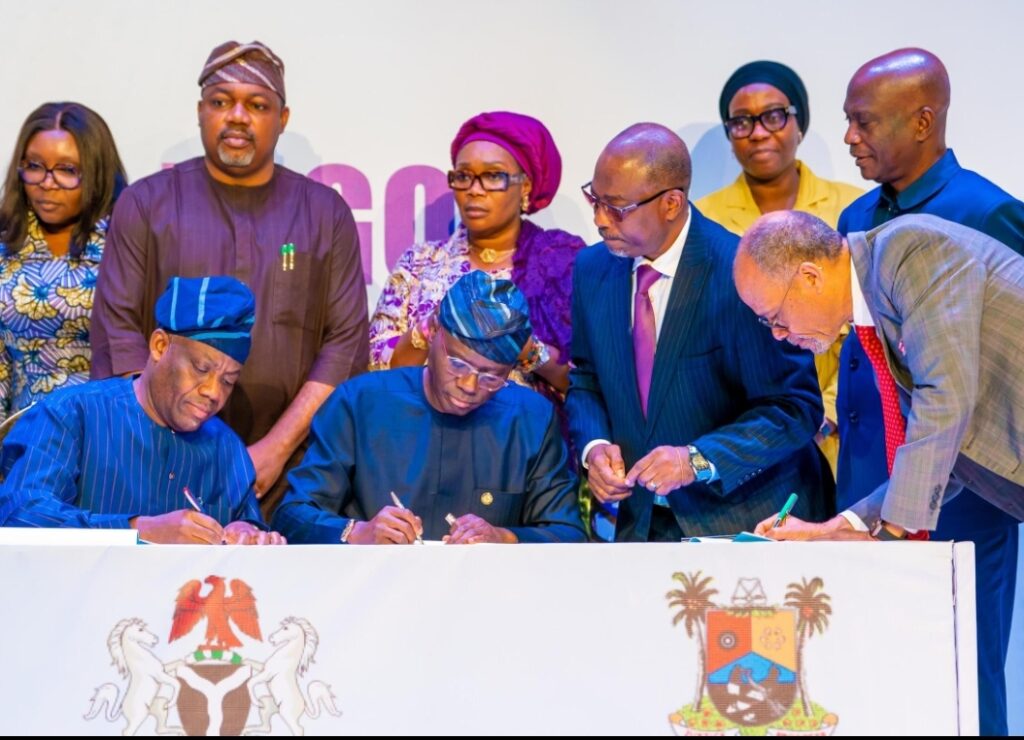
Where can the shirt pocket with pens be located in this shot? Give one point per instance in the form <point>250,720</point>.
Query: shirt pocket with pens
<point>294,285</point>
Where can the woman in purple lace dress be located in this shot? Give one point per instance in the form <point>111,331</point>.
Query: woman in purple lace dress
<point>505,165</point>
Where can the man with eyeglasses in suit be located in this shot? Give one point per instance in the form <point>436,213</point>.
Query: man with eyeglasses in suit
<point>449,451</point>
<point>683,410</point>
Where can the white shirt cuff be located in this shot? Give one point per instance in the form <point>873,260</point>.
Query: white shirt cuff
<point>855,521</point>
<point>714,472</point>
<point>589,447</point>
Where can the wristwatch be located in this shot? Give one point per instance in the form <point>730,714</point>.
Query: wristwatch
<point>884,533</point>
<point>539,355</point>
<point>699,464</point>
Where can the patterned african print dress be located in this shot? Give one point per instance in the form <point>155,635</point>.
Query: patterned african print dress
<point>45,309</point>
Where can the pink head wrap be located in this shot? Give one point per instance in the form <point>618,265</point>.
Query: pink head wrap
<point>530,144</point>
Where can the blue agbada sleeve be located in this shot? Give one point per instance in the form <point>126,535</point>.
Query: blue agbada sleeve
<point>551,509</point>
<point>584,402</point>
<point>237,479</point>
<point>320,486</point>
<point>40,463</point>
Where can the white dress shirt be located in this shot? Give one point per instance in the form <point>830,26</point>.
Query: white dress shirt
<point>667,264</point>
<point>861,317</point>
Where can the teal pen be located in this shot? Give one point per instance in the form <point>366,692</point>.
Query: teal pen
<point>784,511</point>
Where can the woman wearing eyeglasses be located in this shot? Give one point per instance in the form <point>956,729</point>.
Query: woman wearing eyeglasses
<point>765,115</point>
<point>504,165</point>
<point>57,197</point>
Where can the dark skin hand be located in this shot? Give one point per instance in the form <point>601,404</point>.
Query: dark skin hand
<point>182,527</point>
<point>470,529</point>
<point>391,526</point>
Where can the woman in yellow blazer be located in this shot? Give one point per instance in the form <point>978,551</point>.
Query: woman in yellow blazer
<point>765,113</point>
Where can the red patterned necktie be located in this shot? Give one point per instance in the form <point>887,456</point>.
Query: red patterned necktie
<point>892,417</point>
<point>645,335</point>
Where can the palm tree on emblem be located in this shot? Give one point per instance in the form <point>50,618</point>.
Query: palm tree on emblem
<point>813,610</point>
<point>693,600</point>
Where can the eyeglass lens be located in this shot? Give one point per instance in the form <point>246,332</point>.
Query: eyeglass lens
<point>65,176</point>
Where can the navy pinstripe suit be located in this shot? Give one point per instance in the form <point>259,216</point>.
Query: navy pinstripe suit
<point>721,382</point>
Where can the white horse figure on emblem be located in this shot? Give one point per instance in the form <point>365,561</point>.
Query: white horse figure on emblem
<point>150,691</point>
<point>275,687</point>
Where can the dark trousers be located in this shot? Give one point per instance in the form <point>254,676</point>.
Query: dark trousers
<point>995,557</point>
<point>664,527</point>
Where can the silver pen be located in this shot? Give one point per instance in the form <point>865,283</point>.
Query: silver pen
<point>400,505</point>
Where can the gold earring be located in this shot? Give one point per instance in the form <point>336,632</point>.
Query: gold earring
<point>526,203</point>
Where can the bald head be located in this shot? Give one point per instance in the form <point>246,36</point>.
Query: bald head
<point>897,105</point>
<point>639,191</point>
<point>653,152</point>
<point>914,77</point>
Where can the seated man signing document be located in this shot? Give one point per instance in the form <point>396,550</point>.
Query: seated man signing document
<point>452,438</point>
<point>147,452</point>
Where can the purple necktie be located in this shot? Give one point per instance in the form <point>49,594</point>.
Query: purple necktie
<point>645,336</point>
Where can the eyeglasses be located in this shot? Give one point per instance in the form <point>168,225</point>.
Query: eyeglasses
<point>773,323</point>
<point>494,181</point>
<point>462,369</point>
<point>66,176</point>
<point>620,212</point>
<point>773,119</point>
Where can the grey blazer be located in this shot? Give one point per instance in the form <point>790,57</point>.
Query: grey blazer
<point>948,303</point>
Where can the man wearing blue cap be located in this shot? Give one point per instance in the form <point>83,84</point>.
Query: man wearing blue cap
<point>394,453</point>
<point>147,452</point>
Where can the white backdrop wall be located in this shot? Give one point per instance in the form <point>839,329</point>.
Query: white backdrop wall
<point>378,88</point>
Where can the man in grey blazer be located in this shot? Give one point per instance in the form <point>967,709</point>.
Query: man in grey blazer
<point>947,303</point>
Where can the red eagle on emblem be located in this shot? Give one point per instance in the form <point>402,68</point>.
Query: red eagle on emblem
<point>220,611</point>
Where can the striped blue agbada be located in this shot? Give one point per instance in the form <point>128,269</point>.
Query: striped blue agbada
<point>91,456</point>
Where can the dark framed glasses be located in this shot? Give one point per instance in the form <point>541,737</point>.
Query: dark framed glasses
<point>618,213</point>
<point>66,176</point>
<point>772,120</point>
<point>493,181</point>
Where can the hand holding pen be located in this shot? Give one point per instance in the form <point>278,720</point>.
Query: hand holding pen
<point>393,525</point>
<point>783,526</point>
<point>418,527</point>
<point>181,527</point>
<point>784,511</point>
<point>469,529</point>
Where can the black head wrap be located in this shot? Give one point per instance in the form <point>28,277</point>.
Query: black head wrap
<point>778,76</point>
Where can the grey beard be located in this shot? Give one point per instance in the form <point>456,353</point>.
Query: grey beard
<point>232,159</point>
<point>820,347</point>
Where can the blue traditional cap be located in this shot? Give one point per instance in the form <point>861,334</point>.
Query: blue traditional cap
<point>218,311</point>
<point>488,315</point>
